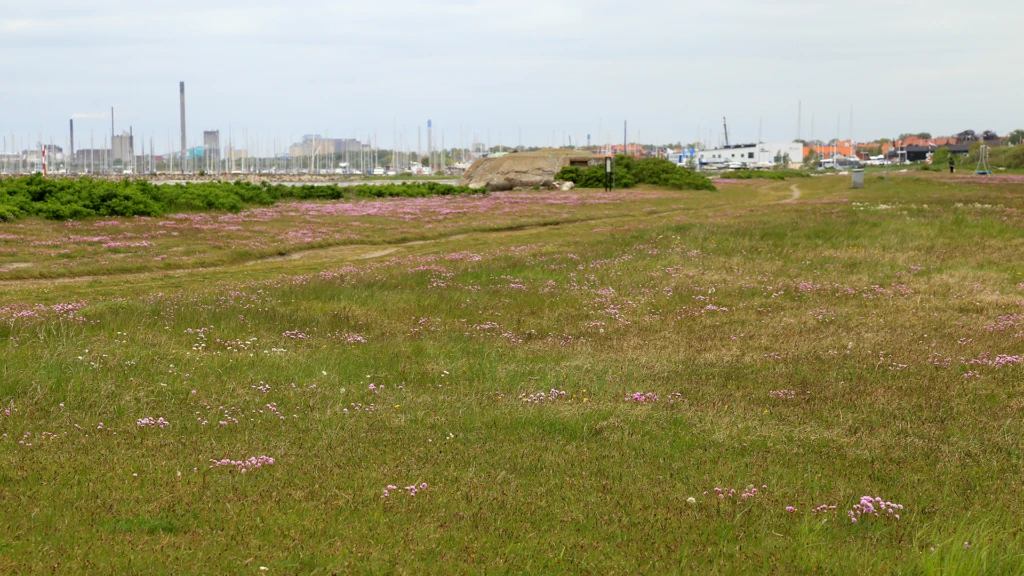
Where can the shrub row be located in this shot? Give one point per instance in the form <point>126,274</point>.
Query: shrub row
<point>764,174</point>
<point>629,173</point>
<point>59,199</point>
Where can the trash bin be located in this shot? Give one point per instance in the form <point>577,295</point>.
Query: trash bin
<point>858,178</point>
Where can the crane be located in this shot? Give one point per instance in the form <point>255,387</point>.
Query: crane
<point>726,126</point>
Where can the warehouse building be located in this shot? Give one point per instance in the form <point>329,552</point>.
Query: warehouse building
<point>764,154</point>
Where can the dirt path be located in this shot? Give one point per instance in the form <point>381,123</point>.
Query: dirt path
<point>794,197</point>
<point>773,189</point>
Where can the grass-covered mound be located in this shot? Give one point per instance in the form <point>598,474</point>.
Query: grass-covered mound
<point>59,199</point>
<point>629,173</point>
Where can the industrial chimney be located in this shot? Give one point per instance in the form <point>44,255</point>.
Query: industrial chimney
<point>184,143</point>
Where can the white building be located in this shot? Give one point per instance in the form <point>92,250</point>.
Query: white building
<point>681,158</point>
<point>752,154</point>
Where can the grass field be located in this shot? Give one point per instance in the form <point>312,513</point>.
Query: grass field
<point>638,382</point>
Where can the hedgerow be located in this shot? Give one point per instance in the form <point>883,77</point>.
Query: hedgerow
<point>764,174</point>
<point>64,199</point>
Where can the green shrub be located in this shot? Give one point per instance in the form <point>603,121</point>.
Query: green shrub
<point>8,213</point>
<point>569,174</point>
<point>66,199</point>
<point>683,179</point>
<point>594,177</point>
<point>628,173</point>
<point>624,163</point>
<point>1014,157</point>
<point>652,170</point>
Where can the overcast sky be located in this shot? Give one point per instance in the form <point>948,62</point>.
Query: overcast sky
<point>672,68</point>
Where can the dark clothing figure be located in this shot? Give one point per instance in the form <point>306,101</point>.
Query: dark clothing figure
<point>952,164</point>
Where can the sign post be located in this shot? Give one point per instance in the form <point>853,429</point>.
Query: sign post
<point>609,174</point>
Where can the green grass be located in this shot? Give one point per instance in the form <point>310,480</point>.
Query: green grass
<point>780,174</point>
<point>863,303</point>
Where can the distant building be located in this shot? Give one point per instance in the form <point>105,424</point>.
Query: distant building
<point>634,150</point>
<point>54,154</point>
<point>918,153</point>
<point>211,145</point>
<point>839,149</point>
<point>752,154</point>
<point>123,147</point>
<point>680,156</point>
<point>87,158</point>
<point>323,146</point>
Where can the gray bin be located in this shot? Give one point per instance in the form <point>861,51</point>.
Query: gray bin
<point>858,178</point>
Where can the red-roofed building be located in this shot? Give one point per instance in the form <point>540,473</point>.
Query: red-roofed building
<point>843,148</point>
<point>634,150</point>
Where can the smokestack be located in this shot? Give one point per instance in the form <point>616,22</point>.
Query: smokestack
<point>110,157</point>
<point>184,143</point>
<point>72,146</point>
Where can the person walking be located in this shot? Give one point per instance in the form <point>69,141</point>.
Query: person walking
<point>952,164</point>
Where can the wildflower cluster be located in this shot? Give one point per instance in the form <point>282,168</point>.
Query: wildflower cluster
<point>357,407</point>
<point>641,398</point>
<point>254,463</point>
<point>149,422</point>
<point>823,315</point>
<point>239,345</point>
<point>727,493</point>
<point>784,394</point>
<point>143,244</point>
<point>272,407</point>
<point>998,362</point>
<point>873,506</point>
<point>541,397</point>
<point>65,310</point>
<point>410,490</point>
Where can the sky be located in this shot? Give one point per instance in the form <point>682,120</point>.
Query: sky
<point>535,72</point>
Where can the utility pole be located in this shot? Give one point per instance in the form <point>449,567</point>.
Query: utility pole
<point>69,164</point>
<point>184,144</point>
<point>799,119</point>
